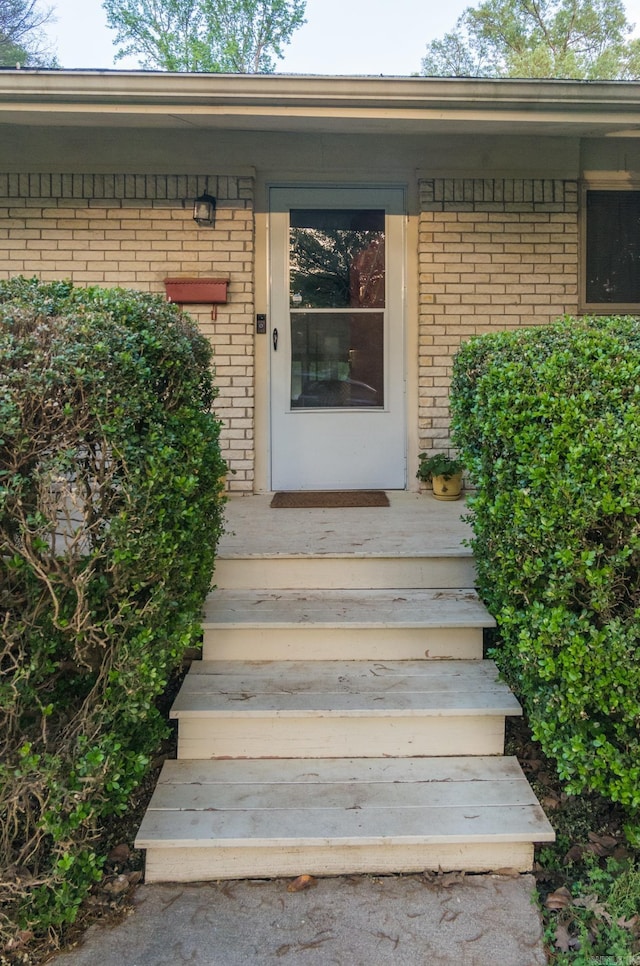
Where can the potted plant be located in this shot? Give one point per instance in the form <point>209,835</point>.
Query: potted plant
<point>444,473</point>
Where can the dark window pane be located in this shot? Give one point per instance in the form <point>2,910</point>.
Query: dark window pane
<point>338,219</point>
<point>337,360</point>
<point>613,246</point>
<point>337,258</point>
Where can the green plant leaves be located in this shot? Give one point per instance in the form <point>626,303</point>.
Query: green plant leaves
<point>110,512</point>
<point>546,422</point>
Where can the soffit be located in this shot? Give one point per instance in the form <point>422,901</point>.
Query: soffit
<point>370,105</point>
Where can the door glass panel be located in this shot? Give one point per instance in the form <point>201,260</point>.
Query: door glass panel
<point>337,258</point>
<point>337,360</point>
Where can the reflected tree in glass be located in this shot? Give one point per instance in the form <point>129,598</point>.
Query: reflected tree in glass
<point>337,259</point>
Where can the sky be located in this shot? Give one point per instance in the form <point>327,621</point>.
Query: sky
<point>340,37</point>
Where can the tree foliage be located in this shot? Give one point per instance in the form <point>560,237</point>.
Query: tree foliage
<point>22,39</point>
<point>581,39</point>
<point>329,268</point>
<point>219,36</point>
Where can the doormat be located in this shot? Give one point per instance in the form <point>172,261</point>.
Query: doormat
<point>329,499</point>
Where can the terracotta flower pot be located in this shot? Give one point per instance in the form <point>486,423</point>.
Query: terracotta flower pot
<point>447,489</point>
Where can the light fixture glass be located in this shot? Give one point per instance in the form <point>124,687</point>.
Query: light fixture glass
<point>204,210</point>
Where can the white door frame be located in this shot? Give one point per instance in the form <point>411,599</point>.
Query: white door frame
<point>348,448</point>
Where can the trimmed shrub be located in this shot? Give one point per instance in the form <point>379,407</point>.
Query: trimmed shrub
<point>547,422</point>
<point>110,512</point>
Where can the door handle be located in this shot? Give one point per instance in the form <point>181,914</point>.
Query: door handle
<point>275,340</point>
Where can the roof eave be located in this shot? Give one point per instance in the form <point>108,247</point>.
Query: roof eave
<point>597,105</point>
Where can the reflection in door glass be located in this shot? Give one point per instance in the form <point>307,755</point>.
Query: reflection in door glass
<point>337,360</point>
<point>337,258</point>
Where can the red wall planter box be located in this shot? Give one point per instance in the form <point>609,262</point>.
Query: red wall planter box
<point>193,290</point>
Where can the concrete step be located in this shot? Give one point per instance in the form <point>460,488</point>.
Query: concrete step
<point>309,709</point>
<point>232,819</point>
<point>326,625</point>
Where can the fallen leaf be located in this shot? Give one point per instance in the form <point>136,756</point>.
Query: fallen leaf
<point>563,939</point>
<point>119,855</point>
<point>575,853</point>
<point>444,879</point>
<point>559,899</point>
<point>449,916</point>
<point>602,845</point>
<point>508,872</point>
<point>134,877</point>
<point>620,853</point>
<point>19,941</point>
<point>550,802</point>
<point>394,940</point>
<point>18,873</point>
<point>532,764</point>
<point>116,886</point>
<point>315,943</point>
<point>565,942</point>
<point>593,904</point>
<point>544,777</point>
<point>301,883</point>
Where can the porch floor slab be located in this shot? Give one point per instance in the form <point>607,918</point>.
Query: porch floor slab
<point>413,525</point>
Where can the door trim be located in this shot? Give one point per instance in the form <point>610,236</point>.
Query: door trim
<point>392,197</point>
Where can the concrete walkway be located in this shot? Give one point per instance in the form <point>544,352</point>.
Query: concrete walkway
<point>450,920</point>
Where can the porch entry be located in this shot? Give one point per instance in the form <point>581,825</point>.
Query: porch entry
<point>337,338</point>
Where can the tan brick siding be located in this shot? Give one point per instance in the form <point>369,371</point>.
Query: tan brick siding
<point>493,254</point>
<point>133,231</point>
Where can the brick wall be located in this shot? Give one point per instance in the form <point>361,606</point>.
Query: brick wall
<point>133,231</point>
<point>493,254</point>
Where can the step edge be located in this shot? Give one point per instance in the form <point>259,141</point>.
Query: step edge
<point>492,712</point>
<point>488,665</point>
<point>337,841</point>
<point>449,762</point>
<point>230,625</point>
<point>444,553</point>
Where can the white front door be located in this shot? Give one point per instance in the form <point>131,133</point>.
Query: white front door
<point>337,338</point>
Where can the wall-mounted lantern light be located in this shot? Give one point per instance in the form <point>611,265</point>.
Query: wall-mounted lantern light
<point>204,211</point>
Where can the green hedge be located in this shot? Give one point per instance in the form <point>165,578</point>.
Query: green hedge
<point>548,423</point>
<point>110,512</point>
